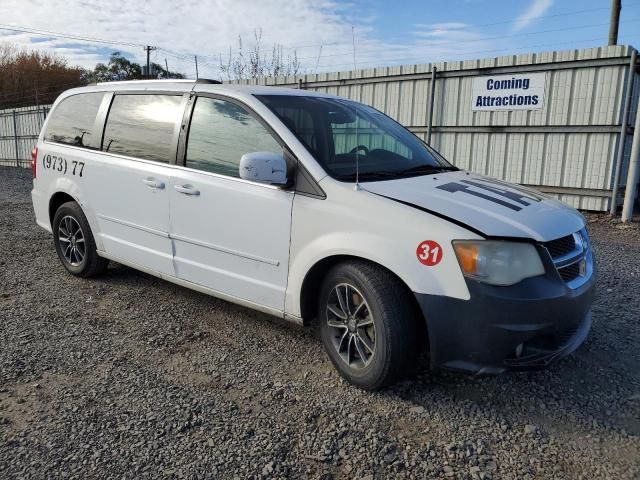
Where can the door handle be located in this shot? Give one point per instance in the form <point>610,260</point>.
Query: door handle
<point>187,189</point>
<point>153,183</point>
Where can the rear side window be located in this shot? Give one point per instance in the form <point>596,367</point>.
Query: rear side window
<point>72,122</point>
<point>220,133</point>
<point>143,126</point>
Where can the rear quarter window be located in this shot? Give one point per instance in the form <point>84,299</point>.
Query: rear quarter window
<point>72,122</point>
<point>143,126</point>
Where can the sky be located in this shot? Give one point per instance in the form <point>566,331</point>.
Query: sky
<point>321,32</point>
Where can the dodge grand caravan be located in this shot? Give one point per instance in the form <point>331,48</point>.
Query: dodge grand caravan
<point>315,208</point>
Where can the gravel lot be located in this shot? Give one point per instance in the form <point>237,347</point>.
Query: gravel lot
<point>129,376</point>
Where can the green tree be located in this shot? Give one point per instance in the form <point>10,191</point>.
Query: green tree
<point>158,71</point>
<point>118,68</point>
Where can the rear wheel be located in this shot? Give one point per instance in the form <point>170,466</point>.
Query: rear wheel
<point>74,242</point>
<point>368,324</point>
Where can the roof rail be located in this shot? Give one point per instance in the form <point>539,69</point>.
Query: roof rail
<point>163,80</point>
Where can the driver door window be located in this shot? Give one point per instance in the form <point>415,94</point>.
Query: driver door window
<point>221,132</point>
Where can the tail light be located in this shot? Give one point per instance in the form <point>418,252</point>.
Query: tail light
<point>34,161</point>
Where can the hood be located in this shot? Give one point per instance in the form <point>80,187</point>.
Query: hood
<point>491,207</point>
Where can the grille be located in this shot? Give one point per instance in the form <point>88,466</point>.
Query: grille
<point>571,272</point>
<point>568,254</point>
<point>561,246</point>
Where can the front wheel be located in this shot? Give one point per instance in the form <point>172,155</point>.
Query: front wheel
<point>74,242</point>
<point>368,324</point>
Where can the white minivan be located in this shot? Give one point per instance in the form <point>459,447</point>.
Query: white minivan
<point>315,208</point>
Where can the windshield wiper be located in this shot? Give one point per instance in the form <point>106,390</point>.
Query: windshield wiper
<point>387,174</point>
<point>427,169</point>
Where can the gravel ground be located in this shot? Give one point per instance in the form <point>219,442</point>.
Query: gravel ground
<point>129,376</point>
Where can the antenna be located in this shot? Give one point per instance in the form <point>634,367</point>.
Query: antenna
<point>355,107</point>
<point>318,60</point>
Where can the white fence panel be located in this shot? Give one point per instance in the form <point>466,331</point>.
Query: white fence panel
<point>19,130</point>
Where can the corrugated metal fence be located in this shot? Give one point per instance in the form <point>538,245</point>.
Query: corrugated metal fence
<point>19,130</point>
<point>567,148</point>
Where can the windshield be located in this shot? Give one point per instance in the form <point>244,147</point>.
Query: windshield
<point>342,134</point>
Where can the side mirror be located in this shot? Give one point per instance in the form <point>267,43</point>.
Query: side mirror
<point>264,167</point>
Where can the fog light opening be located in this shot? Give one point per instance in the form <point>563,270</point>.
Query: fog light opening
<point>519,349</point>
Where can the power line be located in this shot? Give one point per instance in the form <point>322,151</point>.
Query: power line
<point>457,42</point>
<point>564,14</point>
<point>16,28</point>
<point>414,59</point>
<point>326,44</point>
<point>415,43</point>
<point>461,53</point>
<point>436,45</point>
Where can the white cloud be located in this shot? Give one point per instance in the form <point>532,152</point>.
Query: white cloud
<point>446,26</point>
<point>211,27</point>
<point>535,11</point>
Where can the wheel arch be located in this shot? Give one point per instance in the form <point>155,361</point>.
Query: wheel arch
<point>315,275</point>
<point>63,196</point>
<point>58,199</point>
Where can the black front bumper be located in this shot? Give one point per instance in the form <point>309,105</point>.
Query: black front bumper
<point>524,326</point>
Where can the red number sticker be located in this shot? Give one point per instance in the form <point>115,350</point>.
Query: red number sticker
<point>429,253</point>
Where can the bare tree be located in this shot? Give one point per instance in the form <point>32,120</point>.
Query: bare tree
<point>32,77</point>
<point>256,63</point>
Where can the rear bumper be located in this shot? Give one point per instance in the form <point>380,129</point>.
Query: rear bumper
<point>41,209</point>
<point>525,326</point>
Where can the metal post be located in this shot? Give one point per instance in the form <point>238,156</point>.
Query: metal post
<point>432,93</point>
<point>634,171</point>
<point>148,49</point>
<point>623,133</point>
<point>615,21</point>
<point>15,138</point>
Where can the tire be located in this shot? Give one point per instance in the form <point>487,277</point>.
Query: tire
<point>387,317</point>
<point>74,242</point>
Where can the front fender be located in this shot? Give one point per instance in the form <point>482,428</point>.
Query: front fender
<point>396,254</point>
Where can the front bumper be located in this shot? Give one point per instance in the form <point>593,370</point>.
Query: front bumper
<point>524,326</point>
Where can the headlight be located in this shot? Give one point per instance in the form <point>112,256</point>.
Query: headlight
<point>498,262</point>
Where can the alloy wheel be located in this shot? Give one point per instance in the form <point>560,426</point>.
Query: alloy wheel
<point>71,241</point>
<point>352,329</point>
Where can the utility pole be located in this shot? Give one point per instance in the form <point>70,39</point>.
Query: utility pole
<point>148,49</point>
<point>615,21</point>
<point>634,172</point>
<point>166,66</point>
<point>196,59</point>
